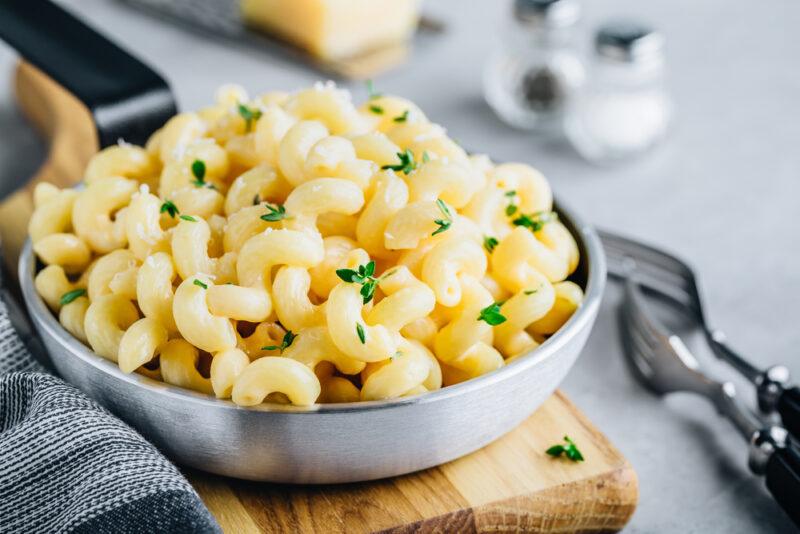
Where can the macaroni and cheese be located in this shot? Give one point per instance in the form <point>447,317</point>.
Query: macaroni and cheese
<point>297,248</point>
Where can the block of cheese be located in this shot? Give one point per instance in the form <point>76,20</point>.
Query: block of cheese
<point>335,29</point>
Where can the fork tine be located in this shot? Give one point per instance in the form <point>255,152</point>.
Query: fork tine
<point>639,314</point>
<point>647,253</point>
<point>639,355</point>
<point>660,285</point>
<point>623,255</point>
<point>659,273</point>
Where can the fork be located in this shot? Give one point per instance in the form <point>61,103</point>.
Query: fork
<point>667,276</point>
<point>663,363</point>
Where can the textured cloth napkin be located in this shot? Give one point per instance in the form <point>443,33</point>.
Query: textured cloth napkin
<point>67,465</point>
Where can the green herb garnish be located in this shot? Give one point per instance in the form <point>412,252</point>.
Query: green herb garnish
<point>249,115</point>
<point>532,291</point>
<point>188,218</point>
<point>491,315</point>
<point>288,338</point>
<point>69,296</point>
<point>511,209</point>
<point>489,243</point>
<point>535,221</point>
<point>169,207</point>
<point>376,109</point>
<point>256,200</point>
<point>361,335</point>
<point>401,118</point>
<point>406,165</point>
<point>199,172</point>
<point>569,449</point>
<point>445,223</point>
<point>426,157</point>
<point>363,276</point>
<point>276,213</point>
<point>200,283</point>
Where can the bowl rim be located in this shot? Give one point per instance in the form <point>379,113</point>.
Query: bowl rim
<point>47,324</point>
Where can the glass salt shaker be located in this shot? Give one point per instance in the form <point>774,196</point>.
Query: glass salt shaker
<point>532,75</point>
<point>623,109</point>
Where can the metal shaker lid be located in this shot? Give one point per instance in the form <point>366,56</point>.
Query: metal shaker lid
<point>547,13</point>
<point>628,41</point>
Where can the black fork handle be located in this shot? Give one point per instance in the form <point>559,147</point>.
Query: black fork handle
<point>783,480</point>
<point>772,391</point>
<point>789,408</point>
<point>127,99</point>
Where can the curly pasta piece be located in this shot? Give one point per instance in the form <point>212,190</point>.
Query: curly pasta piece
<point>72,317</point>
<point>110,272</point>
<point>105,323</point>
<point>336,389</point>
<point>260,183</point>
<point>446,262</point>
<point>139,344</point>
<point>127,161</point>
<point>65,250</point>
<point>329,105</point>
<point>154,291</point>
<point>335,157</point>
<point>520,311</point>
<point>466,342</point>
<point>321,195</point>
<point>52,283</point>
<point>404,374</point>
<point>190,243</point>
<point>294,148</point>
<point>530,186</point>
<point>520,258</point>
<point>269,131</point>
<point>53,211</point>
<point>143,225</point>
<point>276,375</point>
<point>389,197</point>
<point>179,361</point>
<point>568,298</point>
<point>407,300</point>
<point>367,343</point>
<point>226,367</point>
<point>313,346</point>
<point>455,184</point>
<point>195,322</point>
<point>292,303</point>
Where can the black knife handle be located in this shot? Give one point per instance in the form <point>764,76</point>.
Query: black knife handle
<point>127,98</point>
<point>789,408</point>
<point>783,480</point>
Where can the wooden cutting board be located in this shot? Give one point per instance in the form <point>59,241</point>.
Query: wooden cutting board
<point>510,485</point>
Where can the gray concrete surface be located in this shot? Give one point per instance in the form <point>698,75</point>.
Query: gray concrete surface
<point>723,191</point>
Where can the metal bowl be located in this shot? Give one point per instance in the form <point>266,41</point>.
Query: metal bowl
<point>328,443</point>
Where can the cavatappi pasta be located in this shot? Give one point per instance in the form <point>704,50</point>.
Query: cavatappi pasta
<point>298,248</point>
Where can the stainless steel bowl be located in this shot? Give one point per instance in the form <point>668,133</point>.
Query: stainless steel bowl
<point>328,443</point>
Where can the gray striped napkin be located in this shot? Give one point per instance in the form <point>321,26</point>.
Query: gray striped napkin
<point>67,465</point>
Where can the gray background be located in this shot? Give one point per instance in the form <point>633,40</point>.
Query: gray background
<point>722,191</point>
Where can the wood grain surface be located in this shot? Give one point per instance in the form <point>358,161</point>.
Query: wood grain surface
<point>509,486</point>
<point>72,137</point>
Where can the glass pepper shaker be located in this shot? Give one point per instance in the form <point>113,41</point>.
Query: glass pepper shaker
<point>623,109</point>
<point>533,73</point>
